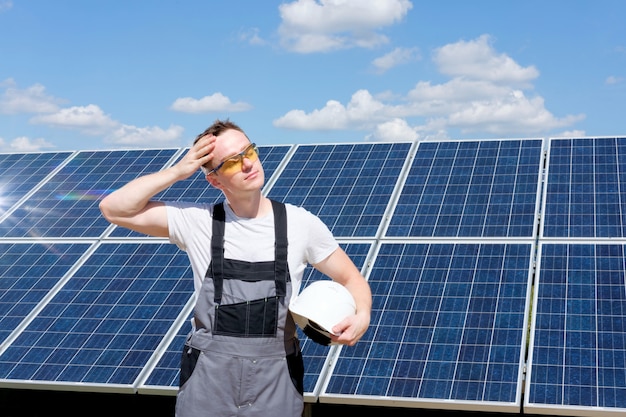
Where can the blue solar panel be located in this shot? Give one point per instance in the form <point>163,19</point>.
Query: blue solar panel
<point>586,188</point>
<point>166,373</point>
<point>106,321</point>
<point>450,311</point>
<point>347,186</point>
<point>578,341</point>
<point>21,172</point>
<point>67,204</point>
<point>197,189</point>
<point>448,323</point>
<point>29,272</point>
<point>470,189</point>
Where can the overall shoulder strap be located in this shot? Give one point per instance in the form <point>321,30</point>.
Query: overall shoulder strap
<point>280,248</point>
<point>217,249</point>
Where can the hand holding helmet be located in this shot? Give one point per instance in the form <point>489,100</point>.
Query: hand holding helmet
<point>319,307</point>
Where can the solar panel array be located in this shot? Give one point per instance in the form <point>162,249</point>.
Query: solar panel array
<point>496,266</point>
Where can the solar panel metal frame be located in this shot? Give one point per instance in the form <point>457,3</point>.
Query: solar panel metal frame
<point>589,410</point>
<point>272,186</point>
<point>60,288</point>
<point>439,403</point>
<point>8,210</point>
<point>578,192</point>
<point>30,204</point>
<point>319,393</point>
<point>412,166</point>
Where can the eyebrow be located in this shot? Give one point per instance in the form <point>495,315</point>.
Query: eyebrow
<point>236,153</point>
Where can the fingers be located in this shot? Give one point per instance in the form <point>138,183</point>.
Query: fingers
<point>350,330</point>
<point>345,332</point>
<point>204,148</point>
<point>202,151</point>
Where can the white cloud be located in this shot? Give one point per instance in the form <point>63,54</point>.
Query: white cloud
<point>362,111</point>
<point>613,80</point>
<point>394,58</point>
<point>31,100</point>
<point>318,26</point>
<point>144,136</point>
<point>393,130</point>
<point>5,5</point>
<point>478,60</point>
<point>89,119</point>
<point>331,117</point>
<point>486,94</point>
<point>511,114</point>
<point>24,144</point>
<point>252,37</point>
<point>93,121</point>
<point>214,103</point>
<point>570,134</point>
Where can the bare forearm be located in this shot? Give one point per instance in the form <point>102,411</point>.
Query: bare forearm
<point>133,197</point>
<point>361,292</point>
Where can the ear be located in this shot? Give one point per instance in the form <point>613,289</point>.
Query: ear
<point>214,181</point>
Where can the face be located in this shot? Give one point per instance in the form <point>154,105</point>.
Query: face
<point>236,164</point>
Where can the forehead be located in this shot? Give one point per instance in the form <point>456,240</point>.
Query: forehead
<point>229,143</point>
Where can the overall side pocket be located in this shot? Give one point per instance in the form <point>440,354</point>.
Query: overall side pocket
<point>188,361</point>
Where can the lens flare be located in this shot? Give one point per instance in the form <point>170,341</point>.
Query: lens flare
<point>83,195</point>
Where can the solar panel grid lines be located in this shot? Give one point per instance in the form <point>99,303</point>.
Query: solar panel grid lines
<point>335,183</point>
<point>436,333</point>
<point>577,357</point>
<point>157,376</point>
<point>164,376</point>
<point>31,271</point>
<point>470,189</point>
<point>21,175</point>
<point>66,204</point>
<point>586,189</point>
<point>416,215</point>
<point>105,323</point>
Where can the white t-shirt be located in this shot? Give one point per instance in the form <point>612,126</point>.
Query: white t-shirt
<point>250,240</point>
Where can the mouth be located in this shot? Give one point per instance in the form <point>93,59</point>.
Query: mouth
<point>251,175</point>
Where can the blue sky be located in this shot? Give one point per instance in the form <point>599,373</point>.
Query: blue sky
<point>117,74</point>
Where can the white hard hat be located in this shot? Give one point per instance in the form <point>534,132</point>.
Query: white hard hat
<point>320,306</point>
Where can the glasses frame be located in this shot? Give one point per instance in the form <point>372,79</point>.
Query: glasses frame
<point>239,156</point>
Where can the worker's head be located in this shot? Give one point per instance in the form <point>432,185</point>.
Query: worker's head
<point>233,156</point>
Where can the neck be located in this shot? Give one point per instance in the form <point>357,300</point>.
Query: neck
<point>250,205</point>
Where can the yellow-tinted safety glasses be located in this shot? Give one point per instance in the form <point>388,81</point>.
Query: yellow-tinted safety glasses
<point>234,163</point>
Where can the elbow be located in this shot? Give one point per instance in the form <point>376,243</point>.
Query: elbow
<point>105,209</point>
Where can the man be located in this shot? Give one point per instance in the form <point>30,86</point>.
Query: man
<point>248,256</point>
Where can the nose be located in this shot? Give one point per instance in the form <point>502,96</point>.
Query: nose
<point>246,164</point>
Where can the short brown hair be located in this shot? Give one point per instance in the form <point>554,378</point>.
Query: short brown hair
<point>218,127</point>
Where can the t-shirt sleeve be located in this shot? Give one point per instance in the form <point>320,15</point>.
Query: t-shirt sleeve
<point>320,240</point>
<point>184,220</point>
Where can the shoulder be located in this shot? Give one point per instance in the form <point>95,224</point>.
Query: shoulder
<point>298,212</point>
<point>188,209</point>
<point>188,205</point>
<point>304,219</point>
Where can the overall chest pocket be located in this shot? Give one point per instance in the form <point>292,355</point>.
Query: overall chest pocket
<point>255,318</point>
<point>248,304</point>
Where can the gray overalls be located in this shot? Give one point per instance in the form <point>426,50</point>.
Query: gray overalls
<point>243,359</point>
